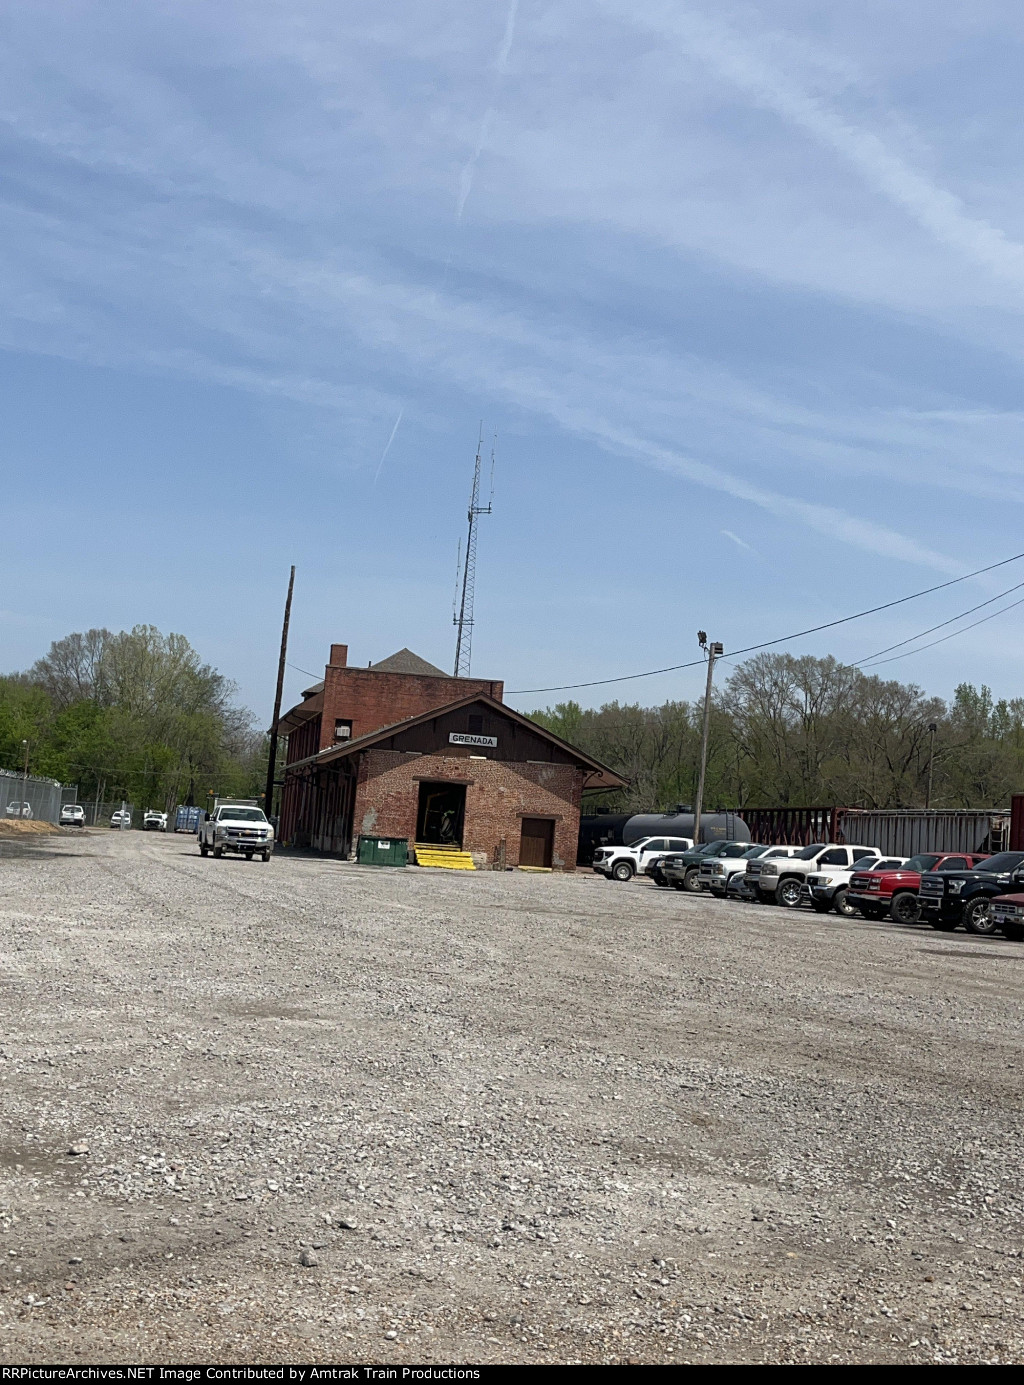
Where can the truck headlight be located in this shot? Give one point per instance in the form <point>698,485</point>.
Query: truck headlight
<point>955,886</point>
<point>769,870</point>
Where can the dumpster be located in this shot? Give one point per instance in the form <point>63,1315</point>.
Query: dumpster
<point>382,851</point>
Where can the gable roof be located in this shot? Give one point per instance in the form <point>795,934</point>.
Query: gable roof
<point>599,776</point>
<point>405,661</point>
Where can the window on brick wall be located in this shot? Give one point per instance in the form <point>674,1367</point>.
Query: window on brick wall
<point>342,729</point>
<point>476,726</point>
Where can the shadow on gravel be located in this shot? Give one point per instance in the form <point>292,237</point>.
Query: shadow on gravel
<point>10,850</point>
<point>974,952</point>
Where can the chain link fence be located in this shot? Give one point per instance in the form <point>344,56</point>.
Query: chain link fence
<point>26,796</point>
<point>99,814</point>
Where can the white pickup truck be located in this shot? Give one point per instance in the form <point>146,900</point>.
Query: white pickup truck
<point>785,882</point>
<point>239,826</point>
<point>828,889</point>
<point>623,862</point>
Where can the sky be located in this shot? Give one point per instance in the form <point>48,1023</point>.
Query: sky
<point>737,288</point>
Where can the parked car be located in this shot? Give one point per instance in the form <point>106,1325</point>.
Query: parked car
<point>783,882</point>
<point>715,872</point>
<point>877,892</point>
<point>623,862</point>
<point>152,821</point>
<point>830,889</point>
<point>121,817</point>
<point>683,871</point>
<point>19,810</point>
<point>949,898</point>
<point>72,815</point>
<point>736,883</point>
<point>1007,914</point>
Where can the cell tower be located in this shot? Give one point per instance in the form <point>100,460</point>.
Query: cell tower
<point>463,617</point>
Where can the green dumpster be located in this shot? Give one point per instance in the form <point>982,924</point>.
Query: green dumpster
<point>383,851</point>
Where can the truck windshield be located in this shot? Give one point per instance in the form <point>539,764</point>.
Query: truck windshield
<point>242,814</point>
<point>921,863</point>
<point>999,865</point>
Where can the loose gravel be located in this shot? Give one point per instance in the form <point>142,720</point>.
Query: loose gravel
<point>313,1111</point>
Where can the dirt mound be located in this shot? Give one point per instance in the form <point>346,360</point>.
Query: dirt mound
<point>20,827</point>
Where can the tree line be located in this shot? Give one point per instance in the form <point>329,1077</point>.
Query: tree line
<point>808,731</point>
<point>135,715</point>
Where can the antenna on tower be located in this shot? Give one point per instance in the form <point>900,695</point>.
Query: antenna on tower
<point>464,619</point>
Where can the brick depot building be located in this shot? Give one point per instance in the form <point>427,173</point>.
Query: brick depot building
<point>401,749</point>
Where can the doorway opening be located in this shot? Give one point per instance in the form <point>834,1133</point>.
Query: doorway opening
<point>536,841</point>
<point>441,814</point>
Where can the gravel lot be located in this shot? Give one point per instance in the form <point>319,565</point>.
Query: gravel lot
<point>334,1114</point>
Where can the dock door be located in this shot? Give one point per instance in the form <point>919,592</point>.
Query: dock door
<point>536,842</point>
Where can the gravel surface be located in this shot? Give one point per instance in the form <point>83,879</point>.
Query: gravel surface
<point>308,1110</point>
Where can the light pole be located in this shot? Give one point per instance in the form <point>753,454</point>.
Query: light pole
<point>714,651</point>
<point>932,728</point>
<point>24,778</point>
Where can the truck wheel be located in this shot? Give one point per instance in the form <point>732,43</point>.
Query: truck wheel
<point>218,852</point>
<point>266,857</point>
<point>842,906</point>
<point>248,855</point>
<point>623,871</point>
<point>691,880</point>
<point>905,908</point>
<point>203,849</point>
<point>978,917</point>
<point>788,894</point>
<point>659,879</point>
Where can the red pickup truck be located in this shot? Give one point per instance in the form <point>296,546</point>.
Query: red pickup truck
<point>894,892</point>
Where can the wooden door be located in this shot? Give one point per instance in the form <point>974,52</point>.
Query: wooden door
<point>536,841</point>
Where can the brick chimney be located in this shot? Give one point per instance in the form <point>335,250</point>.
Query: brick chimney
<point>339,655</point>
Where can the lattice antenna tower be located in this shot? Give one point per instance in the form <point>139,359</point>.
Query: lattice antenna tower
<point>463,619</point>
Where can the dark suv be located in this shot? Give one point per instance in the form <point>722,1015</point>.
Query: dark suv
<point>949,898</point>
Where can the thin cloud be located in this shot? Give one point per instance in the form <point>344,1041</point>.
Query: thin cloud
<point>468,172</point>
<point>737,540</point>
<point>934,208</point>
<point>387,446</point>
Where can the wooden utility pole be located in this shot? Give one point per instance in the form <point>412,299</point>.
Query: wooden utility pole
<point>268,800</point>
<point>714,650</point>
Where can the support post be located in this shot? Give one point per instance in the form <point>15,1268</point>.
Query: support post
<point>932,728</point>
<point>714,650</point>
<point>268,798</point>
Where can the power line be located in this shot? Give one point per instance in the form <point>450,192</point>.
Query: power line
<point>870,658</point>
<point>991,616</point>
<point>782,639</point>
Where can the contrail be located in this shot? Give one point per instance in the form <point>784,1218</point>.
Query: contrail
<point>500,67</point>
<point>469,168</point>
<point>737,540</point>
<point>506,42</point>
<point>387,445</point>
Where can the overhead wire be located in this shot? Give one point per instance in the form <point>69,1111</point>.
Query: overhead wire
<point>870,658</point>
<point>952,635</point>
<point>782,639</point>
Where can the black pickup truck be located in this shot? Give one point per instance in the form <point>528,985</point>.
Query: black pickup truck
<point>949,898</point>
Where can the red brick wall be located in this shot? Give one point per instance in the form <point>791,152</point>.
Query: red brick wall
<point>371,700</point>
<point>500,794</point>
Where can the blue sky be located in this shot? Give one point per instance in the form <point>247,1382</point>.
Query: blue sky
<point>738,287</point>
